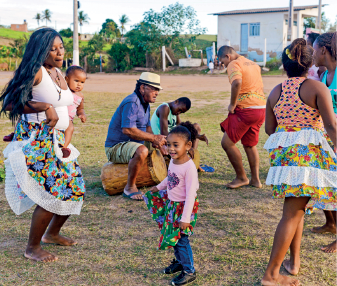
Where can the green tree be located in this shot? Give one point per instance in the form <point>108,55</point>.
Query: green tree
<point>95,45</point>
<point>120,53</point>
<point>18,48</point>
<point>83,19</point>
<point>46,15</point>
<point>310,22</point>
<point>123,20</point>
<point>333,27</point>
<point>110,29</point>
<point>66,33</point>
<point>38,18</point>
<point>174,20</point>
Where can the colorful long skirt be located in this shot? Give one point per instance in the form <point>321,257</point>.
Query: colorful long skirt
<point>303,164</point>
<point>36,172</point>
<point>168,214</point>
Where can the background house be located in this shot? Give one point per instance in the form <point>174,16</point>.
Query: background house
<point>245,30</point>
<point>20,27</point>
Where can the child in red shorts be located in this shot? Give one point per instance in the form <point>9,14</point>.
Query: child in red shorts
<point>246,115</point>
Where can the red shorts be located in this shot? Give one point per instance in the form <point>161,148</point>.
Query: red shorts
<point>244,124</point>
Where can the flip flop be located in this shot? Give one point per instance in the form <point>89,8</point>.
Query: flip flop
<point>206,168</point>
<point>132,194</point>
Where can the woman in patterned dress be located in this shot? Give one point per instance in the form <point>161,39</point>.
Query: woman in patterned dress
<point>303,163</point>
<point>36,173</point>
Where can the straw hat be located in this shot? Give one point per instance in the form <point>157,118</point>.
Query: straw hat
<point>150,79</point>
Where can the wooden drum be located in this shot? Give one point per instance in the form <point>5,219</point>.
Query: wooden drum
<point>114,176</point>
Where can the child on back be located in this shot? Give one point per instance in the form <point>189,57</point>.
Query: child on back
<point>174,205</point>
<point>75,78</point>
<point>303,163</point>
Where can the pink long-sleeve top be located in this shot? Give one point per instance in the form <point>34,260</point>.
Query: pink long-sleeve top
<point>182,184</point>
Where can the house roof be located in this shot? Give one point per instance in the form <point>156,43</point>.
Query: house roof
<point>265,10</point>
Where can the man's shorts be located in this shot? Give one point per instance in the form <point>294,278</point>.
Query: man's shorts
<point>122,152</point>
<point>244,124</point>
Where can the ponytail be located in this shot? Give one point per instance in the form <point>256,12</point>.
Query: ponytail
<point>297,58</point>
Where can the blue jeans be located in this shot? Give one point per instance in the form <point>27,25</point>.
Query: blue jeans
<point>183,253</point>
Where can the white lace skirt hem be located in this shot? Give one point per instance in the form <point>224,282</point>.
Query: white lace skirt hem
<point>303,137</point>
<point>293,175</point>
<point>22,191</point>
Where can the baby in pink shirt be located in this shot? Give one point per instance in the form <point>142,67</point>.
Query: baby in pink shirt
<point>174,205</point>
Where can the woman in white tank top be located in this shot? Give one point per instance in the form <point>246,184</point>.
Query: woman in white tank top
<point>36,172</point>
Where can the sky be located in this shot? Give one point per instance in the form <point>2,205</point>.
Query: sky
<point>15,11</point>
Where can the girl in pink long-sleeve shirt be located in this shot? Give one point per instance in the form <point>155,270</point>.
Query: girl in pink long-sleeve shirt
<point>174,205</point>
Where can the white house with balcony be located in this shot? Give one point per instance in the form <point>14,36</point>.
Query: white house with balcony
<point>246,30</point>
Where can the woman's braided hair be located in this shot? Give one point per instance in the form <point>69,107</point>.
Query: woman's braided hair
<point>328,40</point>
<point>297,58</point>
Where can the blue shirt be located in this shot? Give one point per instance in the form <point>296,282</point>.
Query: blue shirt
<point>132,112</point>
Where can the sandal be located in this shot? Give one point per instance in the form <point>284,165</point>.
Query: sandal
<point>132,194</point>
<point>8,138</point>
<point>206,168</point>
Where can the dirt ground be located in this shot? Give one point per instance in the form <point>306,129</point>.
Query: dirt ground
<point>123,83</point>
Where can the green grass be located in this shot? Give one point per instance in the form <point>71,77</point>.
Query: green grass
<point>10,34</point>
<point>233,236</point>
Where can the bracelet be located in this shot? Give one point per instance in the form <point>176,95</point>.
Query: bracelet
<point>49,107</point>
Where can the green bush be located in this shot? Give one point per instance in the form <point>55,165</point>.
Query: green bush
<point>120,54</point>
<point>274,64</point>
<point>2,171</point>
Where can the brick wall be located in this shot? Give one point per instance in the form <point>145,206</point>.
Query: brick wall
<point>19,27</point>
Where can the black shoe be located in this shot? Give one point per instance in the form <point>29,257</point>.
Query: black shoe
<point>174,267</point>
<point>184,278</point>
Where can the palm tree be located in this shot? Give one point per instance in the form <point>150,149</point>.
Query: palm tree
<point>46,15</point>
<point>82,18</point>
<point>123,20</point>
<point>38,18</point>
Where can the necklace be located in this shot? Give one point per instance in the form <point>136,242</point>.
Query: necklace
<point>56,81</point>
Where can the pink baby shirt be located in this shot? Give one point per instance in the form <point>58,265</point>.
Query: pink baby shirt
<point>182,184</point>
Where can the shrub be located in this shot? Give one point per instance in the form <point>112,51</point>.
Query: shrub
<point>274,64</point>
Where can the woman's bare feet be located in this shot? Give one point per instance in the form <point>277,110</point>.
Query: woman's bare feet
<point>325,228</point>
<point>280,281</point>
<point>201,170</point>
<point>291,268</point>
<point>39,254</point>
<point>58,239</point>
<point>255,183</point>
<point>237,183</point>
<point>331,248</point>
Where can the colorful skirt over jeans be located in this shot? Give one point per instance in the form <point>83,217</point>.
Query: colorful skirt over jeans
<point>168,214</point>
<point>303,164</point>
<point>37,173</point>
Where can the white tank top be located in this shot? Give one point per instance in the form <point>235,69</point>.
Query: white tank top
<point>47,91</point>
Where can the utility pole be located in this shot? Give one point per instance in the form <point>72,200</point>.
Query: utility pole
<point>319,18</point>
<point>76,53</point>
<point>290,21</point>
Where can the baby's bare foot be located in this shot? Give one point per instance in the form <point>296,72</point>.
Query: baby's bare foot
<point>331,248</point>
<point>280,281</point>
<point>237,183</point>
<point>255,183</point>
<point>58,239</point>
<point>291,268</point>
<point>39,255</point>
<point>325,228</point>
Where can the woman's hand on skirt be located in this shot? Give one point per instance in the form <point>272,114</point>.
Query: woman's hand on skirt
<point>183,225</point>
<point>154,190</point>
<point>51,117</point>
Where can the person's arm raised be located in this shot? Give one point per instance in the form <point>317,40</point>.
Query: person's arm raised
<point>271,122</point>
<point>325,107</point>
<point>163,113</point>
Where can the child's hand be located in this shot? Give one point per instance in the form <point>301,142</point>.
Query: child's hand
<point>154,190</point>
<point>203,138</point>
<point>83,117</point>
<point>183,225</point>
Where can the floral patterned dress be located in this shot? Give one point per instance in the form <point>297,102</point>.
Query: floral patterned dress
<point>302,160</point>
<point>37,173</point>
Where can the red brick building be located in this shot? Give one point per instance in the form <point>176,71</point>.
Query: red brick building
<point>20,27</point>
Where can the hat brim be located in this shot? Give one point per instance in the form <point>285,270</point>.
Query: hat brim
<point>156,85</point>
